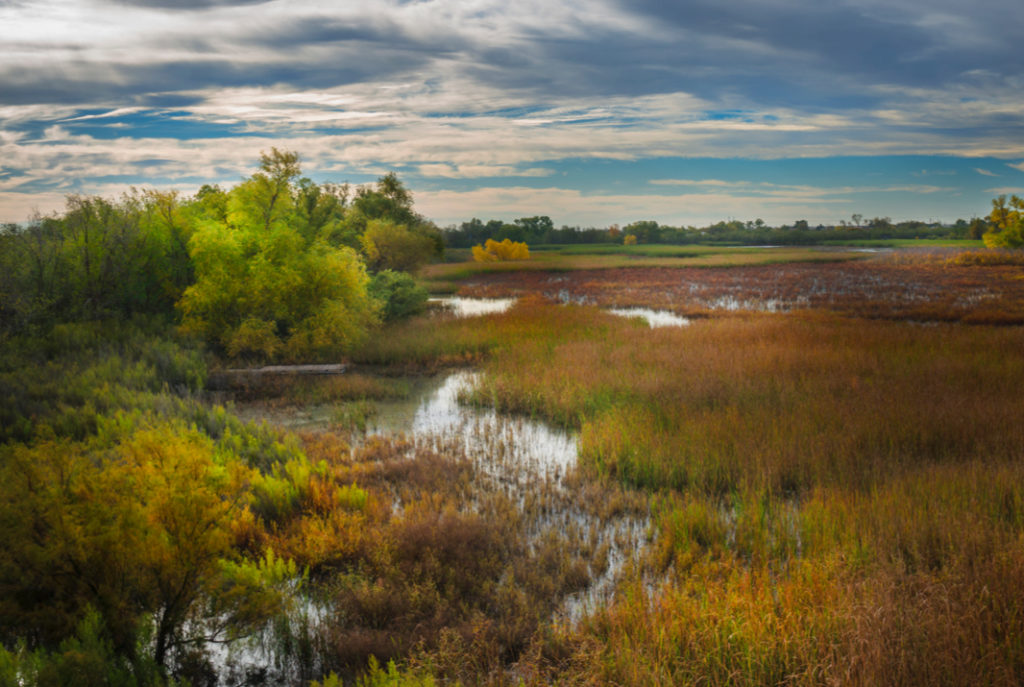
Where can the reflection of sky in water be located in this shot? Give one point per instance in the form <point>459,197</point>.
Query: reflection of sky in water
<point>496,442</point>
<point>470,307</point>
<point>519,453</point>
<point>655,318</point>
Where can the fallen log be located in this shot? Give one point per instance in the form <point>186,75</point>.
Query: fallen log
<point>245,377</point>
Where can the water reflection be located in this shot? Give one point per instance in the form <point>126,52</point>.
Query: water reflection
<point>654,318</point>
<point>472,307</point>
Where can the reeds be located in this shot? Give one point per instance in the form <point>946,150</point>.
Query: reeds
<point>840,500</point>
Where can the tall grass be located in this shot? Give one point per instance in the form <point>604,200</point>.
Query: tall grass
<point>837,501</point>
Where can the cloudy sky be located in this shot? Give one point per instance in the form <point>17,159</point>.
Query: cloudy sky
<point>591,111</point>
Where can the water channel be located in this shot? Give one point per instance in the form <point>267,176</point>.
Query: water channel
<point>533,464</point>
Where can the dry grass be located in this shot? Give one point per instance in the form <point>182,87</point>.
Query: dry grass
<point>840,500</point>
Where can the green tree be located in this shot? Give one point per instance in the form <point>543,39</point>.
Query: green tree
<point>390,246</point>
<point>389,200</point>
<point>265,290</point>
<point>398,294</point>
<point>977,228</point>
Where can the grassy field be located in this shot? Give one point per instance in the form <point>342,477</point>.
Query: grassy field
<point>965,244</point>
<point>837,499</point>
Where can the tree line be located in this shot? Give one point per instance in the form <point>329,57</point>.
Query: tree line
<point>540,230</point>
<point>278,267</point>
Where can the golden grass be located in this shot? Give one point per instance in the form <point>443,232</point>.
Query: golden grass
<point>837,500</point>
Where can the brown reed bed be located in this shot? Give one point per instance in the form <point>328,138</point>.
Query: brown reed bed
<point>837,500</point>
<point>930,286</point>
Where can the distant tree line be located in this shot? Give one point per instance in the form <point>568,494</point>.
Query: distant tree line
<point>541,230</point>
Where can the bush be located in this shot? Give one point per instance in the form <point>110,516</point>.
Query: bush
<point>493,251</point>
<point>398,294</point>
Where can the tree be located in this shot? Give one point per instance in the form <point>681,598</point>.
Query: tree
<point>139,530</point>
<point>263,289</point>
<point>100,258</point>
<point>390,246</point>
<point>269,192</point>
<point>398,294</point>
<point>977,228</point>
<point>1007,220</point>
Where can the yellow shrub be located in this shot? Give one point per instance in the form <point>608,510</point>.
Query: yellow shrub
<point>493,251</point>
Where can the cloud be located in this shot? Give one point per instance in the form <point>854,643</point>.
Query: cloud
<point>577,208</point>
<point>1018,166</point>
<point>985,172</point>
<point>797,191</point>
<point>452,92</point>
<point>1005,191</point>
<point>446,171</point>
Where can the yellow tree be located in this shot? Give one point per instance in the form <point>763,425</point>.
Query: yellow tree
<point>140,531</point>
<point>1007,223</point>
<point>391,246</point>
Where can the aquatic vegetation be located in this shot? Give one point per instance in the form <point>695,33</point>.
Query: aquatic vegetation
<point>828,494</point>
<point>818,474</point>
<point>938,285</point>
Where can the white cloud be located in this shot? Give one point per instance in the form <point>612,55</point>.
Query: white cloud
<point>478,89</point>
<point>797,191</point>
<point>1006,191</point>
<point>568,206</point>
<point>985,172</point>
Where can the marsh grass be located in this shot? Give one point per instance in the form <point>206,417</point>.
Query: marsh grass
<point>934,285</point>
<point>290,390</point>
<point>837,500</point>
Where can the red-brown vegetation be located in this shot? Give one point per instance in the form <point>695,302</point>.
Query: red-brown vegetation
<point>930,289</point>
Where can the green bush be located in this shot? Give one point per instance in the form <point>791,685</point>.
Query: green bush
<point>398,294</point>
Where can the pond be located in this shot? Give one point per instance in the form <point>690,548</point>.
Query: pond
<point>654,318</point>
<point>472,307</point>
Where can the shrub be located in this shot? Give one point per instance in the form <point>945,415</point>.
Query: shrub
<point>398,294</point>
<point>493,251</point>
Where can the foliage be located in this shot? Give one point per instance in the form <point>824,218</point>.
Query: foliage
<point>1007,221</point>
<point>390,202</point>
<point>99,259</point>
<point>265,291</point>
<point>390,246</point>
<point>493,251</point>
<point>398,294</point>
<point>136,528</point>
<point>540,232</point>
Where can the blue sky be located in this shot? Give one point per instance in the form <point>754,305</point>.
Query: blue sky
<point>591,111</point>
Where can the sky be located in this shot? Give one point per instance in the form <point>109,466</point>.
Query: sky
<point>593,112</point>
